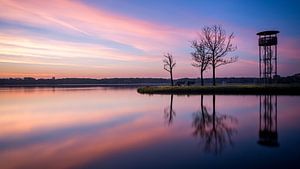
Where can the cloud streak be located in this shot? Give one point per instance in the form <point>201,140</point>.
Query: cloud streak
<point>80,18</point>
<point>108,42</point>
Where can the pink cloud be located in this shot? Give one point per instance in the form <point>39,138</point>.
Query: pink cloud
<point>289,48</point>
<point>76,18</point>
<point>80,18</point>
<point>153,39</point>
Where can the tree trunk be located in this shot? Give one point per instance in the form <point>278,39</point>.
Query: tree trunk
<point>214,74</point>
<point>172,83</point>
<point>214,67</point>
<point>202,81</point>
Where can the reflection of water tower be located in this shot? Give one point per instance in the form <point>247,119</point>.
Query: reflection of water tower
<point>268,135</point>
<point>267,55</point>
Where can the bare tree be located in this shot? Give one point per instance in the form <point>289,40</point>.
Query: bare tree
<point>200,57</point>
<point>169,64</point>
<point>217,42</point>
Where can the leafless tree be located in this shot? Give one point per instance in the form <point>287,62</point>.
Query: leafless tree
<point>169,64</point>
<point>218,44</point>
<point>200,57</point>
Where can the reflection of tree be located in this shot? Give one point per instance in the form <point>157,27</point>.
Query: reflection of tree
<point>215,129</point>
<point>169,113</point>
<point>201,119</point>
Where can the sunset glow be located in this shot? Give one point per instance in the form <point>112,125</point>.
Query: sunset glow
<point>99,39</point>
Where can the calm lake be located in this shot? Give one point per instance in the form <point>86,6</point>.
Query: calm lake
<point>106,127</point>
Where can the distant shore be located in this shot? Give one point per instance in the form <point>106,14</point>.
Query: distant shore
<point>279,89</point>
<point>77,85</point>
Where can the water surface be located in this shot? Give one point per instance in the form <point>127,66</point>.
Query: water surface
<point>105,127</point>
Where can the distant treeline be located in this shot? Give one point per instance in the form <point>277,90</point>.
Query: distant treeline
<point>243,80</point>
<point>53,81</point>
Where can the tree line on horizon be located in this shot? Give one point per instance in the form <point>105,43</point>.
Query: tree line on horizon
<point>147,81</point>
<point>209,51</point>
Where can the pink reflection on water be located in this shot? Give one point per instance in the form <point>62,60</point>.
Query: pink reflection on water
<point>63,128</point>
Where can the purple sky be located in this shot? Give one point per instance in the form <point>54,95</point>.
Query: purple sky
<point>110,38</point>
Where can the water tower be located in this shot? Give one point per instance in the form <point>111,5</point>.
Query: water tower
<point>267,43</point>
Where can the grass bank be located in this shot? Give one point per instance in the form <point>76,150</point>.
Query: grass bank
<point>277,89</point>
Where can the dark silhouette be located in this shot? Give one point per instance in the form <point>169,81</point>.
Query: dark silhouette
<point>169,113</point>
<point>267,43</point>
<point>268,135</point>
<point>183,82</point>
<point>218,45</point>
<point>138,81</point>
<point>169,64</point>
<point>200,57</point>
<point>201,120</point>
<point>215,129</point>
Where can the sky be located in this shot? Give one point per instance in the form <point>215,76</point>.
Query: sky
<point>128,38</point>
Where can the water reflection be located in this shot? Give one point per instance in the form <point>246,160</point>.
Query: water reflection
<point>102,128</point>
<point>268,135</point>
<point>169,113</point>
<point>214,129</point>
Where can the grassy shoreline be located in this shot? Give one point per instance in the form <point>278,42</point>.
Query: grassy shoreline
<point>290,89</point>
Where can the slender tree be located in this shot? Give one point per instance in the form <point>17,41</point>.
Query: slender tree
<point>200,57</point>
<point>218,44</point>
<point>169,64</point>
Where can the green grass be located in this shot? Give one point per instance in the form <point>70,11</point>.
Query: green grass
<point>277,89</point>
